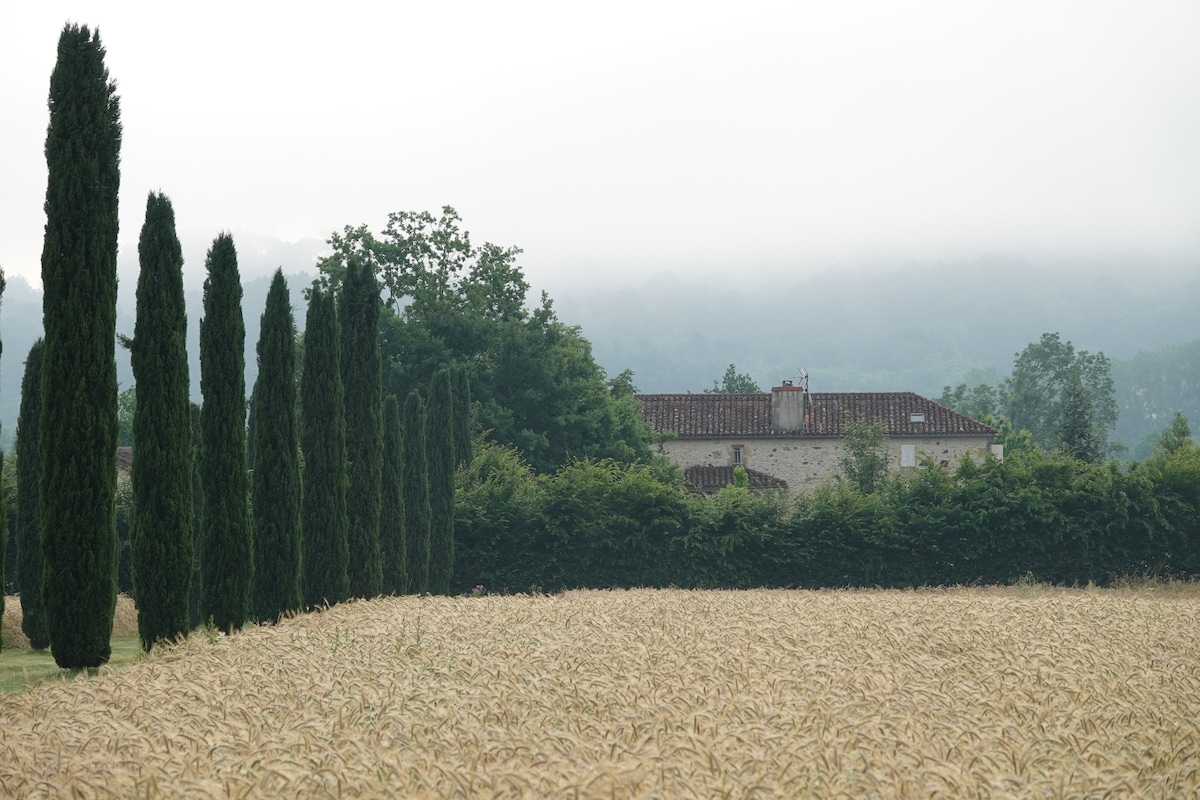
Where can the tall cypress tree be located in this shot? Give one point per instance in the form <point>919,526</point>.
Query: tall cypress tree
<point>79,371</point>
<point>439,443</point>
<point>416,493</point>
<point>323,439</point>
<point>29,512</point>
<point>3,546</point>
<point>161,535</point>
<point>461,392</point>
<point>392,542</point>
<point>226,553</point>
<point>194,618</point>
<point>362,378</point>
<point>3,509</point>
<point>275,486</point>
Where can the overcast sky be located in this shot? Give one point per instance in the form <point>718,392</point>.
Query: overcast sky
<point>632,137</point>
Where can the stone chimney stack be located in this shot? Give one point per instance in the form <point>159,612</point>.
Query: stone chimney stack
<point>787,407</point>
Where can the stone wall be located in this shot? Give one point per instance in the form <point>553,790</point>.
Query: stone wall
<point>805,462</point>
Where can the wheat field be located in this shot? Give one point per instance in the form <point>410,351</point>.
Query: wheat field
<point>1023,692</point>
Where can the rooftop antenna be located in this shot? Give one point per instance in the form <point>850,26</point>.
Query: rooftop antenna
<point>802,380</point>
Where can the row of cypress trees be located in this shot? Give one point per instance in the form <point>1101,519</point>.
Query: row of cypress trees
<point>253,571</point>
<point>373,512</point>
<point>251,555</point>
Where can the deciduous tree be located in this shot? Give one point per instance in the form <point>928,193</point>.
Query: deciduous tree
<point>1078,434</point>
<point>126,410</point>
<point>1033,394</point>
<point>864,455</point>
<point>534,381</point>
<point>734,382</point>
<point>1176,436</point>
<point>463,432</point>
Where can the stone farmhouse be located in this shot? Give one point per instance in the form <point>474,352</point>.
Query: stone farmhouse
<point>790,438</point>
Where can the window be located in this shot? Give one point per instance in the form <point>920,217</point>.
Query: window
<point>737,455</point>
<point>917,416</point>
<point>908,455</point>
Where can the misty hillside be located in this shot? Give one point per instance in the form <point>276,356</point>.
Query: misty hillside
<point>21,325</point>
<point>912,329</point>
<point>916,328</point>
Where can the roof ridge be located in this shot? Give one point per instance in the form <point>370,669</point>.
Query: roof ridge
<point>714,414</point>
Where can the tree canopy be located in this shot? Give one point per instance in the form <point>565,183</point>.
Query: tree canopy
<point>449,303</point>
<point>1062,397</point>
<point>734,382</point>
<point>1044,375</point>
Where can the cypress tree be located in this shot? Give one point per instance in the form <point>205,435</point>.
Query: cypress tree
<point>195,620</point>
<point>275,485</point>
<point>3,511</point>
<point>439,442</point>
<point>461,392</point>
<point>362,378</point>
<point>416,493</point>
<point>323,440</point>
<point>3,548</point>
<point>392,542</point>
<point>29,512</point>
<point>226,553</point>
<point>79,373</point>
<point>161,536</point>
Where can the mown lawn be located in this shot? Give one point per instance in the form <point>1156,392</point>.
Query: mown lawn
<point>22,668</point>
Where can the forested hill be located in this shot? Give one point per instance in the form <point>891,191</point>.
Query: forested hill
<point>912,328</point>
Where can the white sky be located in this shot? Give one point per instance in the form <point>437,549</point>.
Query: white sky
<point>623,137</point>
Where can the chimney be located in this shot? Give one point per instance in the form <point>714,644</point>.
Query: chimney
<point>787,407</point>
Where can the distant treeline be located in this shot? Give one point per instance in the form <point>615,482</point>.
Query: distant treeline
<point>1036,516</point>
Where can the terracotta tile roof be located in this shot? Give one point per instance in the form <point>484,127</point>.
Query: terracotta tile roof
<point>749,415</point>
<point>711,479</point>
<point>124,460</point>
